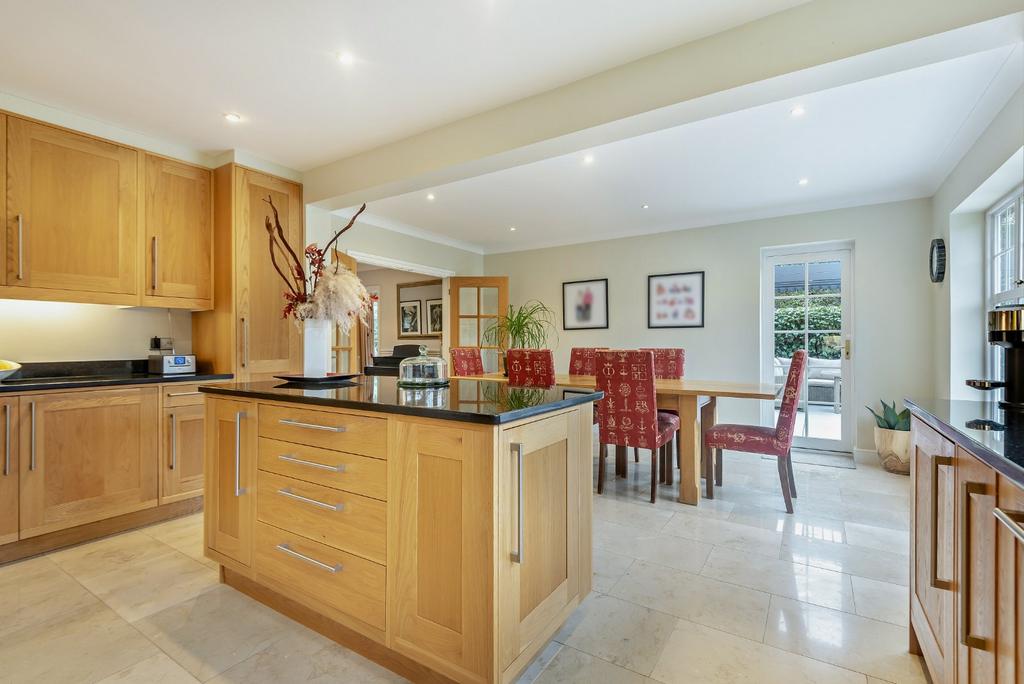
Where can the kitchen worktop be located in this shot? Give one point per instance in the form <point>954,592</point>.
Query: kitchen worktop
<point>34,377</point>
<point>474,401</point>
<point>995,436</point>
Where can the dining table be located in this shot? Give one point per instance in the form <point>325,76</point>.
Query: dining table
<point>696,402</point>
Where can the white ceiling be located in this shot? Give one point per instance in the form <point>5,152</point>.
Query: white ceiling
<point>171,69</point>
<point>885,139</point>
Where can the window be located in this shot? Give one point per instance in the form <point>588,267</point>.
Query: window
<point>1004,264</point>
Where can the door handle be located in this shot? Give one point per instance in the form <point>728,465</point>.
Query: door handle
<point>239,490</point>
<point>1011,520</point>
<point>287,491</point>
<point>312,561</point>
<point>968,489</point>
<point>340,468</point>
<point>183,394</point>
<point>311,426</point>
<point>245,342</point>
<point>21,247</point>
<point>937,462</point>
<point>174,442</point>
<point>7,439</point>
<point>517,555</point>
<point>156,262</point>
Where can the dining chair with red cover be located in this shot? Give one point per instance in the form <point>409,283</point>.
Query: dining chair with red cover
<point>669,363</point>
<point>530,367</point>
<point>582,360</point>
<point>467,361</point>
<point>772,441</point>
<point>629,410</point>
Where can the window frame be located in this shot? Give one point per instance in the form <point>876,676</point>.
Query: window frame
<point>1015,198</point>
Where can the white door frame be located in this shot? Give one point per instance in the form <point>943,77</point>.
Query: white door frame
<point>843,251</point>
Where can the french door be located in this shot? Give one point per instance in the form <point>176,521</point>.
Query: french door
<point>807,303</point>
<point>476,303</point>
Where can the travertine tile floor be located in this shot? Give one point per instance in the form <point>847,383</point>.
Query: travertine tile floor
<point>734,591</point>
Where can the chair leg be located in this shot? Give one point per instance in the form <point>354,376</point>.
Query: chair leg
<point>669,466</point>
<point>601,450</point>
<point>709,472</point>
<point>718,467</point>
<point>661,463</point>
<point>784,481</point>
<point>792,479</point>
<point>636,454</point>
<point>655,455</point>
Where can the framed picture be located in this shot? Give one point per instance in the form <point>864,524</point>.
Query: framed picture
<point>409,319</point>
<point>585,304</point>
<point>675,300</point>
<point>435,316</point>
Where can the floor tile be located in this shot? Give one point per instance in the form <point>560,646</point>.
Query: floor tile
<point>875,648</point>
<point>156,669</point>
<point>675,552</point>
<point>642,516</point>
<point>695,598</point>
<point>620,632</point>
<point>793,580</point>
<point>695,653</point>
<point>84,645</point>
<point>881,600</point>
<point>881,538</point>
<point>571,666</point>
<point>853,560</point>
<point>104,555</point>
<point>798,525</point>
<point>184,534</point>
<point>724,533</point>
<point>609,567</point>
<point>36,590</point>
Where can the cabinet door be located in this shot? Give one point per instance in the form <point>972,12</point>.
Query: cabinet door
<point>976,571</point>
<point>268,343</point>
<point>540,564</point>
<point>932,551</point>
<point>184,437</point>
<point>8,470</point>
<point>72,205</point>
<point>230,477</point>
<point>1009,598</point>
<point>5,254</point>
<point>179,234</point>
<point>86,456</point>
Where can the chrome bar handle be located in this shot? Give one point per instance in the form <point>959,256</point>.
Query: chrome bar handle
<point>183,394</point>
<point>968,489</point>
<point>1012,521</point>
<point>32,443</point>
<point>340,468</point>
<point>174,442</point>
<point>517,555</point>
<point>245,342</point>
<point>311,426</point>
<point>21,247</point>
<point>156,263</point>
<point>239,490</point>
<point>937,461</point>
<point>7,439</point>
<point>312,561</point>
<point>287,491</point>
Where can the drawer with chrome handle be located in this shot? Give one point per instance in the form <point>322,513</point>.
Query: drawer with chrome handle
<point>181,395</point>
<point>343,520</point>
<point>337,469</point>
<point>341,580</point>
<point>355,434</point>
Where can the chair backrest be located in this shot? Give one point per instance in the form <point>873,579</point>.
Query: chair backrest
<point>629,411</point>
<point>530,368</point>
<point>582,360</point>
<point>467,361</point>
<point>791,399</point>
<point>668,362</point>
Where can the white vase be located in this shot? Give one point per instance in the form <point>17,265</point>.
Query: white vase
<point>316,348</point>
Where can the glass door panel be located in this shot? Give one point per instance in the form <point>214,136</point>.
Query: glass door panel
<point>479,303</point>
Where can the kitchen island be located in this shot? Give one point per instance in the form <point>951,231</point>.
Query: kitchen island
<point>444,533</point>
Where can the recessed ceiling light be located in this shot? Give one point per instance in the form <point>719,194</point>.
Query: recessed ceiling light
<point>512,228</point>
<point>430,197</point>
<point>797,111</point>
<point>589,159</point>
<point>346,58</point>
<point>646,206</point>
<point>231,117</point>
<point>802,181</point>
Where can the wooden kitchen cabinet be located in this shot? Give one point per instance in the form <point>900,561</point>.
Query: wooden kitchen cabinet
<point>8,470</point>
<point>6,229</point>
<point>86,456</point>
<point>178,269</point>
<point>1009,583</point>
<point>245,334</point>
<point>72,216</point>
<point>182,452</point>
<point>230,479</point>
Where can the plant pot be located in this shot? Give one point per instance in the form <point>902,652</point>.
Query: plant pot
<point>316,348</point>
<point>893,448</point>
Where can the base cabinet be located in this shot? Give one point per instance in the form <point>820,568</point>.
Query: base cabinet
<point>183,437</point>
<point>1009,583</point>
<point>230,478</point>
<point>9,486</point>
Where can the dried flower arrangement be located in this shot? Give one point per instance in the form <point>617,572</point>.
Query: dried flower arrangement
<point>315,290</point>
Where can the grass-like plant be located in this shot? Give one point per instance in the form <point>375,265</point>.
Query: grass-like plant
<point>523,327</point>
<point>890,419</point>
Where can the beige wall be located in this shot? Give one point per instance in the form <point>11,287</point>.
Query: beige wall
<point>892,317</point>
<point>387,280</point>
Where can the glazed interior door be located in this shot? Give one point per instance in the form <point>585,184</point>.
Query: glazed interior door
<point>476,303</point>
<point>347,348</point>
<point>808,305</point>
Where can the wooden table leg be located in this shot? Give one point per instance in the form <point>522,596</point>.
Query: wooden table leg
<point>708,417</point>
<point>620,461</point>
<point>689,449</point>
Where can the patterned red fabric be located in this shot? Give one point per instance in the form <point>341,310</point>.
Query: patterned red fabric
<point>765,440</point>
<point>582,360</point>
<point>668,362</point>
<point>467,361</point>
<point>530,368</point>
<point>629,415</point>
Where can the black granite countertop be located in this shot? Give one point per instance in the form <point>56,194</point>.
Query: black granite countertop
<point>472,401</point>
<point>981,427</point>
<point>33,377</point>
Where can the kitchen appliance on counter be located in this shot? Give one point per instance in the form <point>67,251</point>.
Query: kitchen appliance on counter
<point>423,371</point>
<point>1006,330</point>
<point>172,364</point>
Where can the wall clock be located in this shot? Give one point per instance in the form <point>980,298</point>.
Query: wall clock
<point>937,260</point>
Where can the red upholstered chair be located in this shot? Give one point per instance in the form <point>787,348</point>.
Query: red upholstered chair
<point>629,413</point>
<point>467,361</point>
<point>582,360</point>
<point>776,441</point>
<point>668,365</point>
<point>530,367</point>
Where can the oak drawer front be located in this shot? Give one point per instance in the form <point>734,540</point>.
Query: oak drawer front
<point>183,394</point>
<point>328,430</point>
<point>346,521</point>
<point>343,581</point>
<point>350,472</point>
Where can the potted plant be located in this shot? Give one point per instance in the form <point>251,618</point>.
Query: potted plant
<point>523,327</point>
<point>892,438</point>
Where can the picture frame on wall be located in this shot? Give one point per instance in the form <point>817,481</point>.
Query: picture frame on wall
<point>435,316</point>
<point>409,323</point>
<point>675,300</point>
<point>585,304</point>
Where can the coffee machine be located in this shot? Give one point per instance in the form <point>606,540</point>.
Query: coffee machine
<point>1006,330</point>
